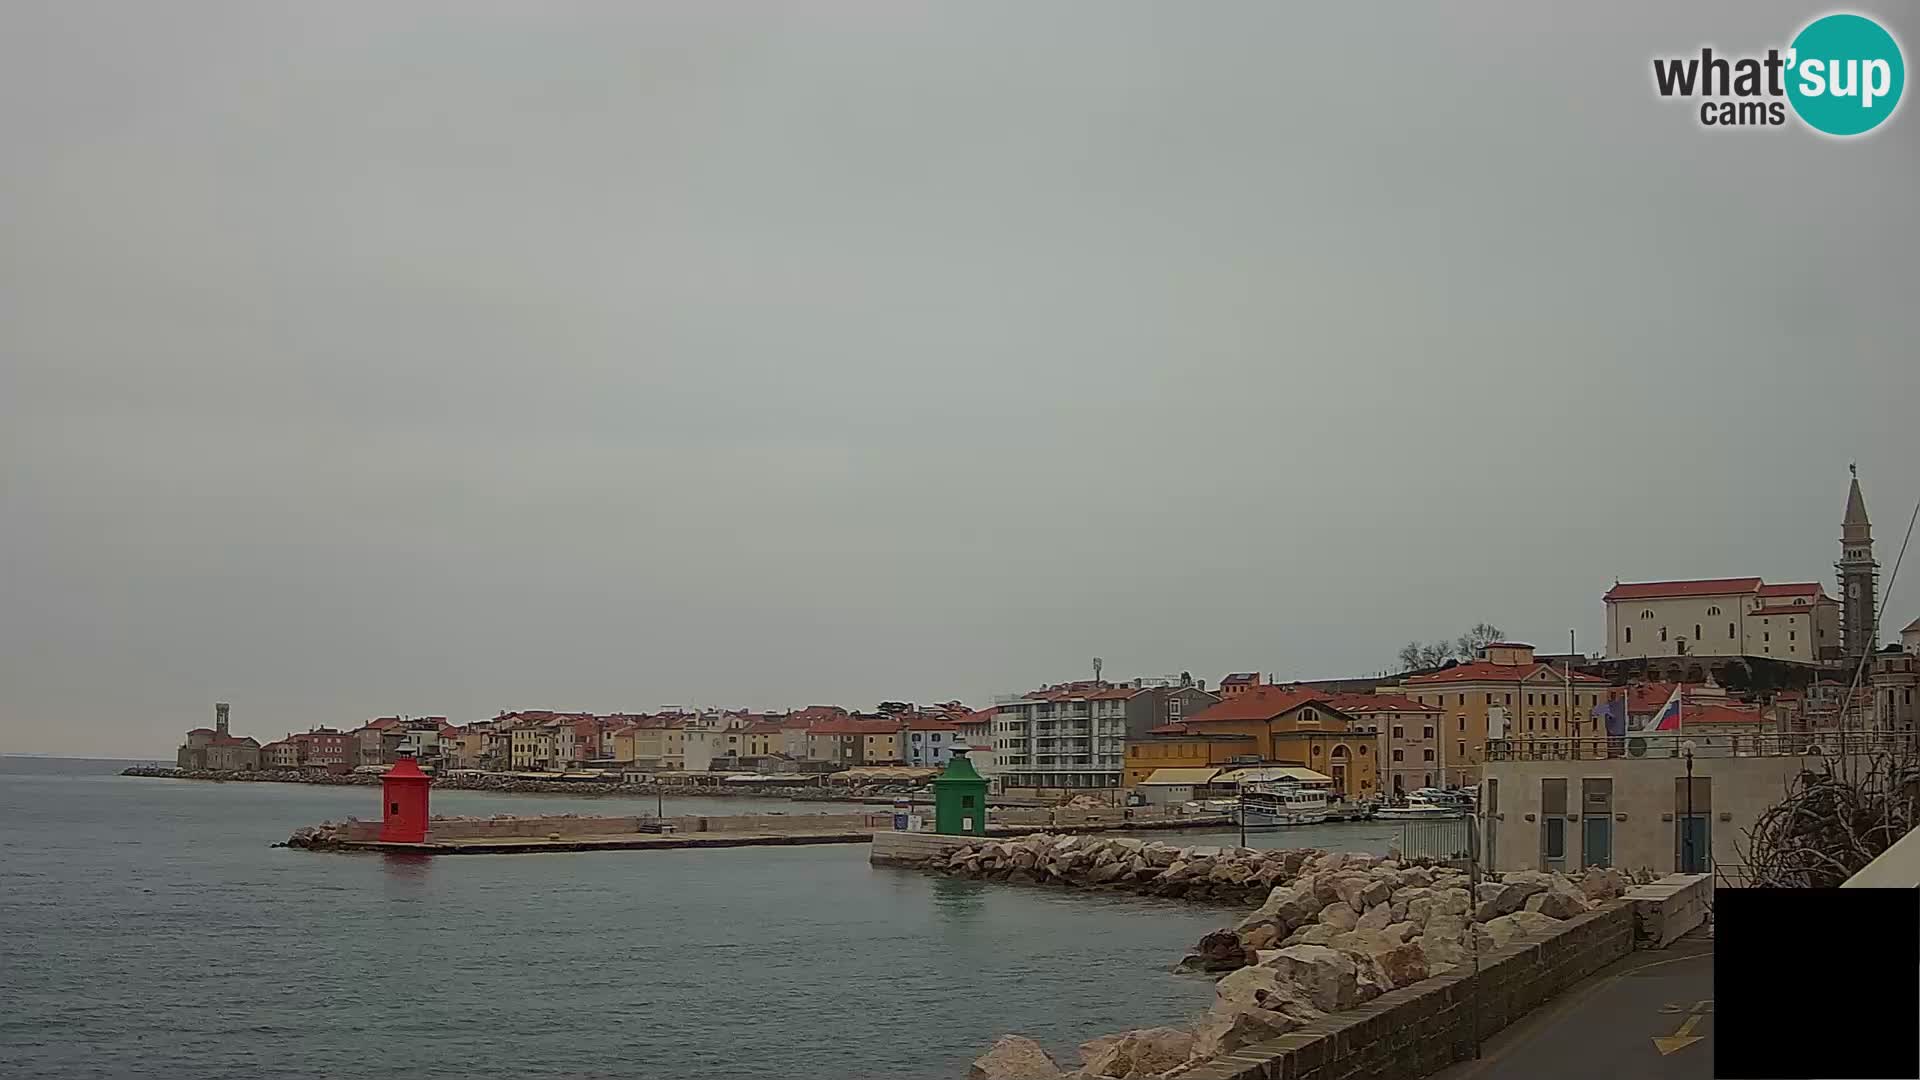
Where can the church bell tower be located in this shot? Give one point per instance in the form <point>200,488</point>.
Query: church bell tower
<point>1859,576</point>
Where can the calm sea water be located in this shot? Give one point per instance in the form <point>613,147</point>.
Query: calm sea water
<point>148,929</point>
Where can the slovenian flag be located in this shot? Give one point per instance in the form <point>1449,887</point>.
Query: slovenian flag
<point>1668,718</point>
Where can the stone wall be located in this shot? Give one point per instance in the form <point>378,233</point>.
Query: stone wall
<point>914,849</point>
<point>1414,1031</point>
<point>1668,908</point>
<point>568,826</point>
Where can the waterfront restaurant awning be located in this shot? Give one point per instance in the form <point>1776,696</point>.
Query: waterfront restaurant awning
<point>1261,774</point>
<point>887,772</point>
<point>1181,777</point>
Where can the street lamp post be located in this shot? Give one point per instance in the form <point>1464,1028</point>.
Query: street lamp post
<point>1686,828</point>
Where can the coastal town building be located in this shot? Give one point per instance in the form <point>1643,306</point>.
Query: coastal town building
<point>1896,691</point>
<point>1405,734</point>
<point>217,748</point>
<point>1910,638</point>
<point>1859,577</point>
<point>1518,694</point>
<point>1064,737</point>
<point>1722,618</point>
<point>1291,726</point>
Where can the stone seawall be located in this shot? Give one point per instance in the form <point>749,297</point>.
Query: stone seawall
<point>1120,863</point>
<point>1411,1032</point>
<point>568,826</point>
<point>513,785</point>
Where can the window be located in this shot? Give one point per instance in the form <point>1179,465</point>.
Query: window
<point>1460,750</point>
<point>966,802</point>
<point>1463,699</point>
<point>1696,631</point>
<point>1729,631</point>
<point>1793,635</point>
<point>1363,749</point>
<point>1489,699</point>
<point>1399,732</point>
<point>1629,633</point>
<point>1399,754</point>
<point>1463,722</point>
<point>1713,611</point>
<point>1764,636</point>
<point>1427,732</point>
<point>1427,754</point>
<point>1663,633</point>
<point>1509,699</point>
<point>1647,614</point>
<point>1556,699</point>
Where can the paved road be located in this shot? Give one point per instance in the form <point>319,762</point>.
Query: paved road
<point>1607,1026</point>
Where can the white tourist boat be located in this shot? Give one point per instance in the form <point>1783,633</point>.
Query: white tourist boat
<point>1270,806</point>
<point>1427,804</point>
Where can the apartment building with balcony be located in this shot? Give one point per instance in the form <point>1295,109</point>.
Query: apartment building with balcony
<point>1064,737</point>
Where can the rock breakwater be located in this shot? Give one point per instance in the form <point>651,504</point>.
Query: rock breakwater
<point>1227,875</point>
<point>1332,931</point>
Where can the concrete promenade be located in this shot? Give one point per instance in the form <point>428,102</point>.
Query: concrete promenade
<point>1648,1015</point>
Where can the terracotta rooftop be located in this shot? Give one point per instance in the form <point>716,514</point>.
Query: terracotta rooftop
<point>1258,703</point>
<point>1655,590</point>
<point>1360,703</point>
<point>1488,671</point>
<point>1795,588</point>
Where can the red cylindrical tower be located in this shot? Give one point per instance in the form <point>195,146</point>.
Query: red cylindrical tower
<point>403,798</point>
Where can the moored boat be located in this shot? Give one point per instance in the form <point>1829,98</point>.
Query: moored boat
<point>1270,806</point>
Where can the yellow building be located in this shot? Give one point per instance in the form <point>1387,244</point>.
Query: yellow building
<point>1523,696</point>
<point>1180,751</point>
<point>661,748</point>
<point>1276,725</point>
<point>880,747</point>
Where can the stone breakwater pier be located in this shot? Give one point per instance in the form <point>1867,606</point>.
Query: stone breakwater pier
<point>507,834</point>
<point>1349,965</point>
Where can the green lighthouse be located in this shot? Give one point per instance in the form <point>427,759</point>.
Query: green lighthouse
<point>960,799</point>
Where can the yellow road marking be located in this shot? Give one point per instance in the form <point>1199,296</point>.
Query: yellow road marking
<point>1681,1039</point>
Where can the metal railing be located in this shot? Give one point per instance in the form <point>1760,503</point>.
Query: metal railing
<point>1703,744</point>
<point>1447,839</point>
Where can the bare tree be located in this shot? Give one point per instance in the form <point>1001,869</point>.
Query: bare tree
<point>1478,637</point>
<point>1413,655</point>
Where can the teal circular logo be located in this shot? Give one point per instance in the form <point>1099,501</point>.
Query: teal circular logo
<point>1845,74</point>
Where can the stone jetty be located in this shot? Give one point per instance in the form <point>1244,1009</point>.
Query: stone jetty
<point>1332,931</point>
<point>1226,875</point>
<point>509,784</point>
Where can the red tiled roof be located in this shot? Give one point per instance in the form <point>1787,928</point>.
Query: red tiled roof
<point>1175,728</point>
<point>1717,714</point>
<point>1239,677</point>
<point>983,716</point>
<point>1488,671</point>
<point>1795,588</point>
<point>1258,703</point>
<point>203,731</point>
<point>1654,590</point>
<point>1508,645</point>
<point>1784,609</point>
<point>1364,703</point>
<point>854,727</point>
<point>928,723</point>
<point>764,727</point>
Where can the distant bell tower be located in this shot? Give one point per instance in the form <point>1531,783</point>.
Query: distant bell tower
<point>220,718</point>
<point>1859,575</point>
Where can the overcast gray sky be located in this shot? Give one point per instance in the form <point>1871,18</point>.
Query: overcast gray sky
<point>442,358</point>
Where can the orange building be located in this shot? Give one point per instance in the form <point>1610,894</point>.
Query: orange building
<point>1276,725</point>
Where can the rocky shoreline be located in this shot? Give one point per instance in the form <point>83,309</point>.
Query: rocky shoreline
<point>858,793</point>
<point>1332,931</point>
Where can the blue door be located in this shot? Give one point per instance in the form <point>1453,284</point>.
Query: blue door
<point>1596,843</point>
<point>1693,852</point>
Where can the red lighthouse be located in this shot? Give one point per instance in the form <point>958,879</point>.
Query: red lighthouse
<point>403,797</point>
